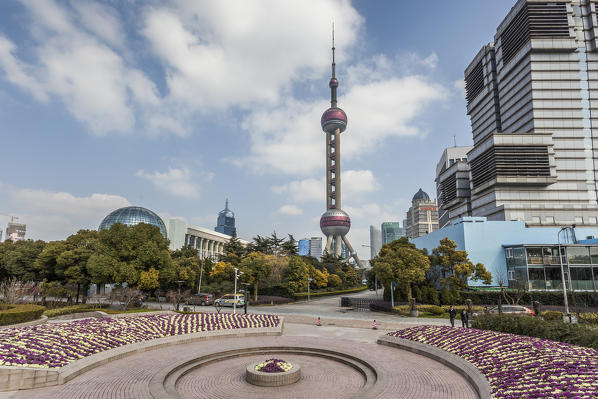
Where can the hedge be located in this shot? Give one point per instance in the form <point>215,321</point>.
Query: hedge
<point>303,295</point>
<point>554,298</point>
<point>14,314</point>
<point>68,310</point>
<point>557,330</point>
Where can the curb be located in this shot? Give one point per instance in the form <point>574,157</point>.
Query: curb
<point>467,370</point>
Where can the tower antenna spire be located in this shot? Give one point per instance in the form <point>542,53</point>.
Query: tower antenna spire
<point>333,81</point>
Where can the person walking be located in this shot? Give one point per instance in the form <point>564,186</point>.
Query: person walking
<point>464,319</point>
<point>452,315</point>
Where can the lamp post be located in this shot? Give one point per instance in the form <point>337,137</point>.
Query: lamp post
<point>246,295</point>
<point>309,280</point>
<point>392,296</point>
<point>178,299</point>
<point>237,275</point>
<point>563,275</point>
<point>375,276</point>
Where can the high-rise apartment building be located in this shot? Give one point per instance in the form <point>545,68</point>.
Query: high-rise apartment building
<point>315,247</point>
<point>15,231</point>
<point>422,216</point>
<point>531,97</point>
<point>452,185</point>
<point>375,241</point>
<point>390,231</point>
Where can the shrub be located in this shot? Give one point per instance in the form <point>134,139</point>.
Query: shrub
<point>589,318</point>
<point>551,298</point>
<point>334,280</point>
<point>381,306</point>
<point>537,327</point>
<point>303,295</point>
<point>68,310</point>
<point>14,314</point>
<point>433,309</point>
<point>268,299</point>
<point>552,315</point>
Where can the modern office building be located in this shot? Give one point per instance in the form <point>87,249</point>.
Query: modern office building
<point>15,231</point>
<point>131,216</point>
<point>531,99</point>
<point>452,185</point>
<point>422,216</point>
<point>226,221</point>
<point>315,247</point>
<point>375,241</point>
<point>345,254</point>
<point>390,231</point>
<point>303,247</point>
<point>519,255</point>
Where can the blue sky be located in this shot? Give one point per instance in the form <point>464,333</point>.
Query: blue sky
<point>176,105</point>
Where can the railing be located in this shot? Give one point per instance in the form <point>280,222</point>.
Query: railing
<point>359,304</point>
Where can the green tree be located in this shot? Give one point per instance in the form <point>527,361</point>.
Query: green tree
<point>320,279</point>
<point>289,247</point>
<point>331,262</point>
<point>334,281</point>
<point>257,269</point>
<point>401,262</point>
<point>234,251</point>
<point>71,264</point>
<point>19,259</point>
<point>148,280</point>
<point>296,275</point>
<point>455,267</point>
<point>45,264</point>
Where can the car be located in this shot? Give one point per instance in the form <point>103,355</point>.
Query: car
<point>201,299</point>
<point>509,309</point>
<point>228,300</point>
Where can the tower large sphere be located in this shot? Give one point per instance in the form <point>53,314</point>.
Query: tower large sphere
<point>332,119</point>
<point>335,222</point>
<point>131,216</point>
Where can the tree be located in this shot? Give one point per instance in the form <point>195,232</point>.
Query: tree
<point>234,251</point>
<point>71,264</point>
<point>331,262</point>
<point>148,280</point>
<point>19,259</point>
<point>257,269</point>
<point>455,267</point>
<point>334,281</point>
<point>289,247</point>
<point>296,275</point>
<point>320,279</point>
<point>401,262</point>
<point>222,271</point>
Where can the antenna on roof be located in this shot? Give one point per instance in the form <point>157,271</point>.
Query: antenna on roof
<point>455,139</point>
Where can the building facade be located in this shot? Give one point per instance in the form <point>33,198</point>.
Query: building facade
<point>375,241</point>
<point>502,246</point>
<point>452,185</point>
<point>422,216</point>
<point>226,222</point>
<point>390,231</point>
<point>303,247</point>
<point>15,231</point>
<point>315,247</point>
<point>531,99</point>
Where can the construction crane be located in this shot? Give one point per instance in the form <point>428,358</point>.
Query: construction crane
<point>12,218</point>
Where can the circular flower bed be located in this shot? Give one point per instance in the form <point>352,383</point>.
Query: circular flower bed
<point>517,366</point>
<point>273,366</point>
<point>55,345</point>
<point>272,373</point>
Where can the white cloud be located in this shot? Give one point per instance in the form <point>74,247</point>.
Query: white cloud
<point>459,85</point>
<point>292,210</point>
<point>353,183</point>
<point>16,72</point>
<point>52,215</point>
<point>175,181</point>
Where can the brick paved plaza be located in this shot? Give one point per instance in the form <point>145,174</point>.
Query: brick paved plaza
<point>404,374</point>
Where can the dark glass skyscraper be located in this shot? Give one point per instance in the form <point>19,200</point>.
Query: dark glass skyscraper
<point>226,222</point>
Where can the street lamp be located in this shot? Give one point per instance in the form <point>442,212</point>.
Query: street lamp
<point>237,275</point>
<point>178,299</point>
<point>246,295</point>
<point>563,274</point>
<point>375,276</point>
<point>308,284</point>
<point>200,275</point>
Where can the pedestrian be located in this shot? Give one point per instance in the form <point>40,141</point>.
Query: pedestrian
<point>464,319</point>
<point>452,315</point>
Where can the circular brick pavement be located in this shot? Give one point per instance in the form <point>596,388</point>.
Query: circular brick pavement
<point>226,379</point>
<point>407,375</point>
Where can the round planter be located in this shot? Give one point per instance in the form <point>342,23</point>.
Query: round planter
<point>414,313</point>
<point>272,379</point>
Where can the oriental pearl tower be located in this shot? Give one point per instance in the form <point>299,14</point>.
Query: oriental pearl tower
<point>335,223</point>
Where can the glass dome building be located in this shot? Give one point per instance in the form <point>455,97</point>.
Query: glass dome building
<point>132,215</point>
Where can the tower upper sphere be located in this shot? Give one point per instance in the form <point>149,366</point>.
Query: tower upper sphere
<point>332,119</point>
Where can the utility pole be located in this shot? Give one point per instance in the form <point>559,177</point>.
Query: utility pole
<point>237,275</point>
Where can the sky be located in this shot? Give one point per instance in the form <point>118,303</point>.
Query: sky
<point>177,105</point>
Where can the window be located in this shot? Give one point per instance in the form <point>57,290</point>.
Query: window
<point>536,278</point>
<point>581,278</point>
<point>554,280</point>
<point>534,256</point>
<point>578,255</point>
<point>594,255</point>
<point>512,274</point>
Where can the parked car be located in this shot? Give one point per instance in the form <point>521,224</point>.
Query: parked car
<point>200,299</point>
<point>228,300</point>
<point>509,309</point>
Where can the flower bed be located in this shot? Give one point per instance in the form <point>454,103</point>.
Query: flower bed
<point>55,345</point>
<point>517,366</point>
<point>274,366</point>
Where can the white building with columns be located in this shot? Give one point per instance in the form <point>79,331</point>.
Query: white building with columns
<point>209,243</point>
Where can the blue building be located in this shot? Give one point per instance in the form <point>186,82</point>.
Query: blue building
<point>226,222</point>
<point>303,247</point>
<point>516,254</point>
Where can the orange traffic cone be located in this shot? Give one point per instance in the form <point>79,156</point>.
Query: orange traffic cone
<point>319,323</point>
<point>374,326</point>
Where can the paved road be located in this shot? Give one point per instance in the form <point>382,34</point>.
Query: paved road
<point>326,308</point>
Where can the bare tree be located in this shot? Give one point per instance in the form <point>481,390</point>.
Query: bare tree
<point>177,297</point>
<point>126,296</point>
<point>12,291</point>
